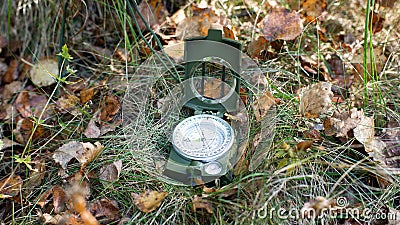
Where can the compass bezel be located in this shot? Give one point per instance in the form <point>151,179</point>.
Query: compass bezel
<point>184,126</point>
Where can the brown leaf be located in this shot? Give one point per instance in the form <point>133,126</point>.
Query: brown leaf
<point>66,152</point>
<point>12,72</point>
<point>59,198</point>
<point>315,205</point>
<point>304,145</point>
<point>312,9</point>
<point>203,204</point>
<point>203,18</point>
<point>49,219</point>
<point>110,172</point>
<point>10,89</point>
<point>149,200</point>
<point>77,194</point>
<point>68,103</point>
<point>105,208</point>
<point>43,198</point>
<point>213,88</point>
<point>110,107</point>
<point>153,12</point>
<point>10,186</point>
<point>316,99</point>
<point>23,104</point>
<point>387,3</point>
<point>341,123</point>
<point>37,175</point>
<point>32,104</point>
<point>92,131</point>
<point>282,24</point>
<point>108,127</point>
<point>24,129</point>
<point>256,46</point>
<point>44,71</point>
<point>87,94</point>
<point>313,134</point>
<point>377,22</point>
<point>90,153</point>
<point>262,105</point>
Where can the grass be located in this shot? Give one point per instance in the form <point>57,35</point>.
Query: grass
<point>287,178</point>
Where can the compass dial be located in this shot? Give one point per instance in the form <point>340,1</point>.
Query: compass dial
<point>202,137</point>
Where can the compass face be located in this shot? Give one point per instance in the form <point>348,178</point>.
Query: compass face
<point>202,137</point>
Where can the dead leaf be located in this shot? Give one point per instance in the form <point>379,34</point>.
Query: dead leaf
<point>257,46</point>
<point>111,126</point>
<point>341,123</point>
<point>110,172</point>
<point>175,50</point>
<point>109,108</point>
<point>10,187</point>
<point>43,198</point>
<point>312,9</point>
<point>153,12</point>
<point>282,24</point>
<point>6,143</point>
<point>105,208</point>
<point>377,22</point>
<point>23,104</point>
<point>77,194</point>
<point>37,175</point>
<point>32,104</point>
<point>387,3</point>
<point>66,152</point>
<point>313,134</point>
<point>90,153</point>
<point>68,103</point>
<point>12,72</point>
<point>49,219</point>
<point>87,94</point>
<point>44,72</point>
<point>304,145</point>
<point>316,99</point>
<point>149,200</point>
<point>204,17</point>
<point>92,131</point>
<point>201,203</point>
<point>59,198</point>
<point>391,138</point>
<point>24,128</point>
<point>10,89</point>
<point>214,88</point>
<point>262,105</point>
<point>315,205</point>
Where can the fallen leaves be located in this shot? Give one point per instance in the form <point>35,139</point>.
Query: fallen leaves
<point>83,152</point>
<point>312,9</point>
<point>282,24</point>
<point>10,187</point>
<point>109,108</point>
<point>149,200</point>
<point>204,17</point>
<point>105,208</point>
<point>110,172</point>
<point>262,105</point>
<point>316,205</point>
<point>316,99</point>
<point>199,203</point>
<point>44,72</point>
<point>92,130</point>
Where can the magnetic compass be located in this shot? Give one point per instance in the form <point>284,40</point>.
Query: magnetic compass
<point>203,137</point>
